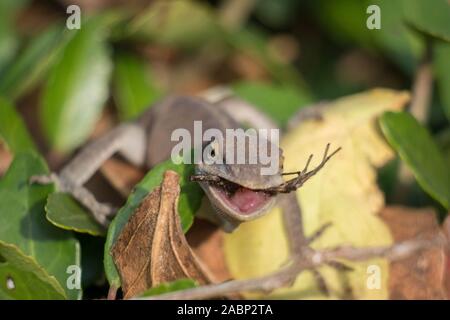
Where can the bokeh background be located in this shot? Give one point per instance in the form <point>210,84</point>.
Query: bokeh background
<point>68,86</point>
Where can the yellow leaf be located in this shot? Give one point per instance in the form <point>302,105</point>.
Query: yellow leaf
<point>344,193</point>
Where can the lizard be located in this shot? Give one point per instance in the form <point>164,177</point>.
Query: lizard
<point>146,141</point>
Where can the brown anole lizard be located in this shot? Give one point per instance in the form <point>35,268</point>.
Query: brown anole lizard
<point>146,142</point>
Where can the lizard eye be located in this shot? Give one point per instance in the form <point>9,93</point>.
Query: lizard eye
<point>211,152</point>
<point>214,149</point>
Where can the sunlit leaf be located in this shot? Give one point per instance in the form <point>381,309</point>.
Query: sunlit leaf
<point>344,193</point>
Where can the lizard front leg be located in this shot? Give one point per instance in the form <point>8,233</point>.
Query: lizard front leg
<point>127,139</point>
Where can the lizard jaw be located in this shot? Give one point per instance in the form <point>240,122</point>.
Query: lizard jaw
<point>244,201</point>
<point>243,205</point>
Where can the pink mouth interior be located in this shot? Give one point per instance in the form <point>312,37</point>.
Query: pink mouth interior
<point>245,200</point>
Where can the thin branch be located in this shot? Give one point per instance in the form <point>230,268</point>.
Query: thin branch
<point>112,293</point>
<point>278,279</point>
<point>397,251</point>
<point>287,275</point>
<point>422,87</point>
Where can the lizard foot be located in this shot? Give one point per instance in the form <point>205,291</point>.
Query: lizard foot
<point>101,212</point>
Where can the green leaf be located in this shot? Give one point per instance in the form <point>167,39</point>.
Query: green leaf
<point>441,63</point>
<point>430,17</point>
<point>13,130</point>
<point>77,88</point>
<point>278,101</point>
<point>184,24</point>
<point>64,212</point>
<point>167,287</point>
<point>32,64</point>
<point>18,284</point>
<point>23,223</point>
<point>419,151</point>
<point>189,202</point>
<point>133,86</point>
<point>29,269</point>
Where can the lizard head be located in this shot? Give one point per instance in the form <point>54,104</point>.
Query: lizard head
<point>237,194</point>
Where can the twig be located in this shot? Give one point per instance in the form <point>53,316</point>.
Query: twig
<point>112,293</point>
<point>287,275</point>
<point>422,87</point>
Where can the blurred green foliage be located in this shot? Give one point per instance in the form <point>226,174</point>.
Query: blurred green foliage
<point>25,234</point>
<point>282,56</point>
<point>416,147</point>
<point>134,86</point>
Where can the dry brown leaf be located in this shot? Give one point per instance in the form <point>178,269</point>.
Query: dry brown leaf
<point>420,276</point>
<point>152,249</point>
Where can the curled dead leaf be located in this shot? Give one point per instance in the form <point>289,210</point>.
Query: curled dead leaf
<point>152,249</point>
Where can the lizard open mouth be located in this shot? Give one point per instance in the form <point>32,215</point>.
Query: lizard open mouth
<point>243,200</point>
